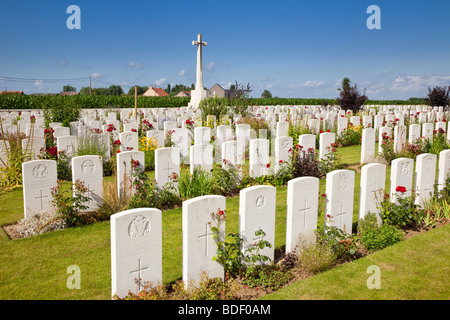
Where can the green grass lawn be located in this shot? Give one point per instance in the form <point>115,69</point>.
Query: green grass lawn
<point>36,267</point>
<point>414,269</point>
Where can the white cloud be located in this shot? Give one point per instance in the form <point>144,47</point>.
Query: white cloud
<point>38,83</point>
<point>135,65</point>
<point>96,75</point>
<point>160,81</point>
<point>211,66</point>
<point>181,73</point>
<point>372,88</point>
<point>418,83</point>
<point>307,84</point>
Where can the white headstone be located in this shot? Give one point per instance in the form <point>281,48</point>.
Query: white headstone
<point>229,154</point>
<point>414,133</point>
<point>38,179</point>
<point>182,140</point>
<point>129,141</point>
<point>167,165</point>
<point>259,157</point>
<point>399,138</point>
<point>325,141</point>
<point>201,157</point>
<point>427,131</point>
<point>342,124</point>
<point>199,247</point>
<point>157,137</point>
<point>307,141</point>
<point>425,175</point>
<point>282,128</point>
<point>283,151</point>
<point>33,147</point>
<point>61,131</point>
<point>340,193</point>
<point>257,207</point>
<point>372,185</point>
<point>383,131</point>
<point>302,209</point>
<point>402,172</point>
<point>368,145</point>
<point>126,170</point>
<point>136,250</point>
<point>89,170</point>
<point>444,168</point>
<point>355,120</point>
<point>68,144</point>
<point>202,135</point>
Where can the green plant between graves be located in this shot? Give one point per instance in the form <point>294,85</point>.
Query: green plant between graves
<point>248,264</point>
<point>197,184</point>
<point>69,206</point>
<point>148,195</point>
<point>405,214</point>
<point>376,237</point>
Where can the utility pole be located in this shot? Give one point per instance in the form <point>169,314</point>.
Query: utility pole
<point>90,86</point>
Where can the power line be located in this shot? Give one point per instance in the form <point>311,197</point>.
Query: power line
<point>15,79</point>
<point>61,80</point>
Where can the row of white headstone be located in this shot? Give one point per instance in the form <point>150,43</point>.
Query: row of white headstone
<point>136,235</point>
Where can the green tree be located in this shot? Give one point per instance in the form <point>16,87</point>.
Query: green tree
<point>100,91</point>
<point>69,88</point>
<point>266,94</point>
<point>115,90</point>
<point>140,90</point>
<point>85,91</point>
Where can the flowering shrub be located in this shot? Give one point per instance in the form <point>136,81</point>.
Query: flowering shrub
<point>148,146</point>
<point>147,195</point>
<point>405,214</point>
<point>351,136</point>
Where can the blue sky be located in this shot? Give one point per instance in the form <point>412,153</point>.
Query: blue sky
<point>291,48</point>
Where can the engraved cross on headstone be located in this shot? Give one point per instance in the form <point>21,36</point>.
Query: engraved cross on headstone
<point>41,198</point>
<point>205,236</point>
<point>305,211</point>
<point>139,272</point>
<point>168,169</point>
<point>341,216</point>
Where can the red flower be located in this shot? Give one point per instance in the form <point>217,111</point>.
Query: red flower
<point>268,165</point>
<point>328,130</point>
<point>134,130</point>
<point>281,161</point>
<point>321,131</point>
<point>135,163</point>
<point>117,142</point>
<point>400,189</point>
<point>52,150</point>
